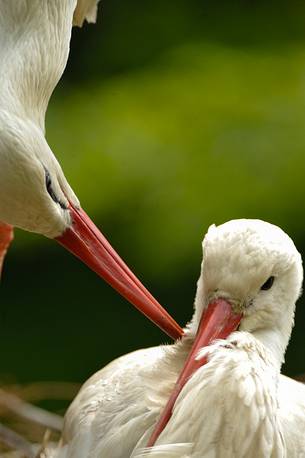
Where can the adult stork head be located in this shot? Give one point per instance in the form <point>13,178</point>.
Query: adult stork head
<point>34,193</point>
<point>251,277</point>
<point>255,267</point>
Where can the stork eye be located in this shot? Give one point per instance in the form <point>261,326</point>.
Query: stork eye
<point>51,190</point>
<point>268,283</point>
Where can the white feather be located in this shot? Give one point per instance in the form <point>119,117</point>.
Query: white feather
<point>166,451</point>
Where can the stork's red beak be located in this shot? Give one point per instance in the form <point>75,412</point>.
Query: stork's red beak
<point>86,242</point>
<point>217,322</point>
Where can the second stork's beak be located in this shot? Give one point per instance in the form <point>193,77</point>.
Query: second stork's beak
<point>86,242</point>
<point>217,322</point>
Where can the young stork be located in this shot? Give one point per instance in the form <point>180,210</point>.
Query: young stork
<point>34,193</point>
<point>231,400</point>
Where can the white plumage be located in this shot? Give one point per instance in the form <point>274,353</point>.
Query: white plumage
<point>35,37</point>
<point>237,404</point>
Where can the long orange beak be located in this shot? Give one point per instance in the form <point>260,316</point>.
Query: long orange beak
<point>86,242</point>
<point>217,322</point>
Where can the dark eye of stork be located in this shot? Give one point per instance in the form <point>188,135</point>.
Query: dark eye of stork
<point>51,190</point>
<point>268,283</point>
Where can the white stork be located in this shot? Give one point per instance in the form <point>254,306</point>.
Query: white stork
<point>34,193</point>
<point>231,400</point>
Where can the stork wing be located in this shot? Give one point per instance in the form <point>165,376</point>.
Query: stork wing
<point>34,47</point>
<point>291,396</point>
<point>111,412</point>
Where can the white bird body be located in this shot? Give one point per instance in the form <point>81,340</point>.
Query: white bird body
<point>115,411</point>
<point>237,404</point>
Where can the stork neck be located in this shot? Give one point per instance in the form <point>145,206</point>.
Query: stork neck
<point>35,39</point>
<point>275,341</point>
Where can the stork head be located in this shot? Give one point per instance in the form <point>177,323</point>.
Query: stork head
<point>35,196</point>
<point>34,191</point>
<point>255,267</point>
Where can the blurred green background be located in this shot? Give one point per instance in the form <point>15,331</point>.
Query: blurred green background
<point>171,116</point>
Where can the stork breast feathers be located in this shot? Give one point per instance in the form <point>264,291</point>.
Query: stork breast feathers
<point>233,394</point>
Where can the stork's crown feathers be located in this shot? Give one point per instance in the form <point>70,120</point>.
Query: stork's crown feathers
<point>243,254</point>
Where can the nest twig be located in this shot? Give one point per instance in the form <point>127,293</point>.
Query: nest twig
<point>30,412</point>
<point>14,441</point>
<point>27,430</point>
